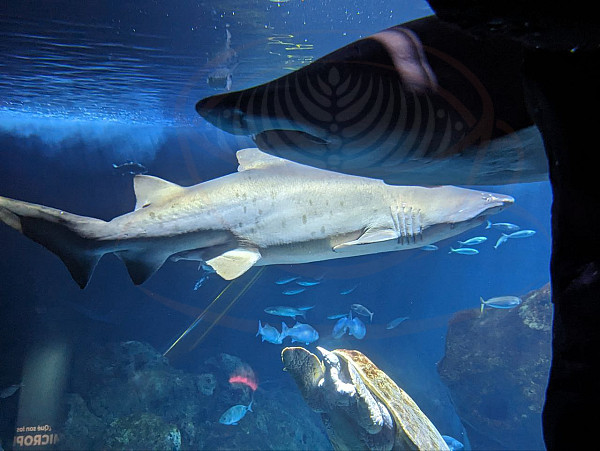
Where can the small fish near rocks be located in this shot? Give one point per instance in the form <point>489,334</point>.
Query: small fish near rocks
<point>501,302</point>
<point>235,413</point>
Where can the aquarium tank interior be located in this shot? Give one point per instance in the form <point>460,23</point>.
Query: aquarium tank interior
<point>266,224</point>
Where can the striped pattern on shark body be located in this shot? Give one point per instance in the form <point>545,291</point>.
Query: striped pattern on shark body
<point>417,104</point>
<point>351,113</point>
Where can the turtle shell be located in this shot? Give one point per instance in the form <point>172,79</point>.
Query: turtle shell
<point>413,428</point>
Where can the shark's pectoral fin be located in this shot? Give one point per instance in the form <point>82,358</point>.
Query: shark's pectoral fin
<point>370,236</point>
<point>141,265</point>
<point>234,263</point>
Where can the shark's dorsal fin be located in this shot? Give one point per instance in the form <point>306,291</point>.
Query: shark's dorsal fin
<point>149,189</point>
<point>253,158</point>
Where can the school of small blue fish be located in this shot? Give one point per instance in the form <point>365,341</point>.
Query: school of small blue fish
<point>349,323</point>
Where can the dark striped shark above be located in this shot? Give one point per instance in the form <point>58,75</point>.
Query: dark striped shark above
<point>417,104</point>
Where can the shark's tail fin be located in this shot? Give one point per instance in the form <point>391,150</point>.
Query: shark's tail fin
<point>71,237</point>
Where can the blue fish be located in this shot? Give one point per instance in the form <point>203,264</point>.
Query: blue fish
<point>269,333</point>
<point>286,280</point>
<point>357,328</point>
<point>206,271</point>
<point>464,251</point>
<point>395,322</point>
<point>200,281</point>
<point>235,414</point>
<point>429,247</point>
<point>308,283</point>
<point>340,327</point>
<point>349,290</point>
<point>302,333</point>
<point>453,444</point>
<point>292,292</point>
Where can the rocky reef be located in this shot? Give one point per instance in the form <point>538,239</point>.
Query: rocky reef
<point>496,366</point>
<point>128,396</point>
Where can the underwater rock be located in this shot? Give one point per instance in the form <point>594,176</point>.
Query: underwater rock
<point>128,396</point>
<point>207,383</point>
<point>80,425</point>
<point>496,366</point>
<point>142,431</point>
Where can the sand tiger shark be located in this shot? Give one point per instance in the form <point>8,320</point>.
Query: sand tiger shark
<point>422,103</point>
<point>272,211</point>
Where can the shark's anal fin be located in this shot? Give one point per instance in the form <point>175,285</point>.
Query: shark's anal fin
<point>370,236</point>
<point>141,265</point>
<point>234,263</point>
<point>149,189</point>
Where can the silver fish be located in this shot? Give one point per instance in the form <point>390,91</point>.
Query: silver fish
<point>502,226</point>
<point>429,247</point>
<point>501,240</point>
<point>473,241</point>
<point>395,322</point>
<point>235,413</point>
<point>522,234</point>
<point>501,302</point>
<point>337,315</point>
<point>284,310</point>
<point>357,328</point>
<point>293,291</point>
<point>362,310</point>
<point>464,251</point>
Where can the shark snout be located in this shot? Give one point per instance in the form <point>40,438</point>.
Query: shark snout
<point>223,113</point>
<point>503,200</point>
<point>495,203</point>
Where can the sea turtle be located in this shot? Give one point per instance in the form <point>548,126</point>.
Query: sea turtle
<point>360,405</point>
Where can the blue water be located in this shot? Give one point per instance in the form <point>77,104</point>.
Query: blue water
<point>84,87</point>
